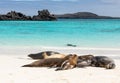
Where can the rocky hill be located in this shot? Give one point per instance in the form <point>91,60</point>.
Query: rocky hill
<point>84,15</point>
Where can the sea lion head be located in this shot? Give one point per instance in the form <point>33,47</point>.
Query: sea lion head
<point>36,56</point>
<point>73,59</point>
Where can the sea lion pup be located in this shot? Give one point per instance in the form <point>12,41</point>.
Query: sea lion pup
<point>50,62</point>
<point>69,64</point>
<point>84,60</point>
<point>40,55</point>
<point>103,61</point>
<point>53,55</point>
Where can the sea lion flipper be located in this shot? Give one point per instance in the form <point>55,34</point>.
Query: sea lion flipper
<point>28,65</point>
<point>59,68</point>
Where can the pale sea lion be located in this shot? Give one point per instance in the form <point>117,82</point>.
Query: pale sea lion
<point>103,61</point>
<point>50,62</point>
<point>84,60</point>
<point>40,55</point>
<point>53,55</point>
<point>69,64</point>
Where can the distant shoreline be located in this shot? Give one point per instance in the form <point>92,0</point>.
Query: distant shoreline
<point>44,15</point>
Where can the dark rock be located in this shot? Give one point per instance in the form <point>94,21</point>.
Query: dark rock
<point>43,15</point>
<point>14,16</point>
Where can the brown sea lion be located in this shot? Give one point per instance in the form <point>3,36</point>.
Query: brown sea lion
<point>84,60</point>
<point>50,62</point>
<point>103,61</point>
<point>69,64</point>
<point>53,55</point>
<point>40,55</point>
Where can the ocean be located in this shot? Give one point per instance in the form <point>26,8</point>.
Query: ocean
<point>92,33</point>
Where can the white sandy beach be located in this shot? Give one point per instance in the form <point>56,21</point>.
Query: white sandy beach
<point>11,60</point>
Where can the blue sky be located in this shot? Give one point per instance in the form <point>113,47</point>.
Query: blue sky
<point>30,7</point>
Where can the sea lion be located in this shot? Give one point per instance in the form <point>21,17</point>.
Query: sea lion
<point>69,64</point>
<point>103,61</point>
<point>50,62</point>
<point>53,55</point>
<point>40,55</point>
<point>84,60</point>
<point>71,45</point>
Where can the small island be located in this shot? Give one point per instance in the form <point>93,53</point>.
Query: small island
<point>83,15</point>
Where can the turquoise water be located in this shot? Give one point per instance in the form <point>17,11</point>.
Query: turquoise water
<point>81,32</point>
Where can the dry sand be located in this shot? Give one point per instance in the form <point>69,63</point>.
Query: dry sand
<point>11,60</point>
